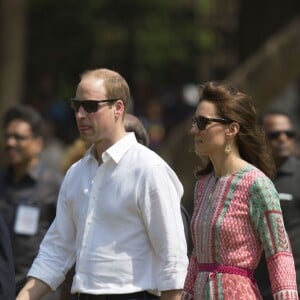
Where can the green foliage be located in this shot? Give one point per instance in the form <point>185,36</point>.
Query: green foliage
<point>132,36</point>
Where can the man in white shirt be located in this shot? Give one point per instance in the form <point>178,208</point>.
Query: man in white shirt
<point>118,213</point>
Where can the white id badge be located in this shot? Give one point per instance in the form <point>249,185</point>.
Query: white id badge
<point>27,220</point>
<point>285,197</point>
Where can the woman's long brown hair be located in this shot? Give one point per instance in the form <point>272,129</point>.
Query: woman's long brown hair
<point>237,106</point>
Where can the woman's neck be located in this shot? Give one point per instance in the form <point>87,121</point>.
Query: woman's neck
<point>227,164</point>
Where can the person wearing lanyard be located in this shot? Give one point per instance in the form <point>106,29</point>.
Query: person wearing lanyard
<point>118,217</point>
<point>28,187</point>
<point>237,211</point>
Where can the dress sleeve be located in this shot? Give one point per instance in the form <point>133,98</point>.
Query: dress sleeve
<point>265,212</point>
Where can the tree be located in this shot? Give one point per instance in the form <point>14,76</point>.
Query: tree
<point>12,53</point>
<point>276,64</point>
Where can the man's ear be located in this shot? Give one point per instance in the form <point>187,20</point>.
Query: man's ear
<point>119,108</point>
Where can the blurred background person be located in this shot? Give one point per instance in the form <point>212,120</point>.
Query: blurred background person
<point>281,135</point>
<point>53,149</point>
<point>153,119</point>
<point>28,187</point>
<point>134,124</point>
<point>7,273</point>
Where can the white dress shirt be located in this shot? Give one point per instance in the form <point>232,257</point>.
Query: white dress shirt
<point>120,222</point>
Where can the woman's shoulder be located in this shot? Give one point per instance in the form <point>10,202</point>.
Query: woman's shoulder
<point>254,174</point>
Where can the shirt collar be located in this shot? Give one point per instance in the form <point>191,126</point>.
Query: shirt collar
<point>117,150</point>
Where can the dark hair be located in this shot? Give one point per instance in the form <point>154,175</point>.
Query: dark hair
<point>234,105</point>
<point>134,124</point>
<point>27,114</point>
<point>272,112</point>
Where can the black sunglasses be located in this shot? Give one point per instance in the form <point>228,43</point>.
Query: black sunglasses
<point>273,135</point>
<point>90,106</point>
<point>202,122</point>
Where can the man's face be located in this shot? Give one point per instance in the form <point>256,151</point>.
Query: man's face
<point>279,131</point>
<point>20,145</point>
<point>99,125</point>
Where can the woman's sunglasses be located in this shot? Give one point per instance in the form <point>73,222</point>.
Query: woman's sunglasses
<point>202,122</point>
<point>90,106</point>
<point>273,135</point>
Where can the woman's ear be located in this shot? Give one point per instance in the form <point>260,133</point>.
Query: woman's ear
<point>232,129</point>
<point>235,127</point>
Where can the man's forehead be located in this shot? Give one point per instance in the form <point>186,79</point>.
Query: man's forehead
<point>278,121</point>
<point>19,124</point>
<point>91,86</point>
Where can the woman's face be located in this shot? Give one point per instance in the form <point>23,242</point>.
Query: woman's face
<point>210,140</point>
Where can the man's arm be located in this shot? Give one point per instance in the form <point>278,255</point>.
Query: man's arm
<point>171,295</point>
<point>34,289</point>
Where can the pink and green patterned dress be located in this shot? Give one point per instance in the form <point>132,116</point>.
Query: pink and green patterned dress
<point>235,218</point>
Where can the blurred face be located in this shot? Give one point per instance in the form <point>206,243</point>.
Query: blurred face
<point>280,133</point>
<point>210,139</point>
<point>101,124</point>
<point>20,144</point>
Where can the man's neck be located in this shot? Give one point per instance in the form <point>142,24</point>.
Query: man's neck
<point>103,145</point>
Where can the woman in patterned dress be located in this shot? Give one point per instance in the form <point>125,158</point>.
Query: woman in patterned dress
<point>237,213</point>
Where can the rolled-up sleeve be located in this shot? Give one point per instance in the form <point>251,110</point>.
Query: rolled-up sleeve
<point>56,254</point>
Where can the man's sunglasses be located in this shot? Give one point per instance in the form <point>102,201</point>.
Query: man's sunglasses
<point>202,122</point>
<point>273,135</point>
<point>90,106</point>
